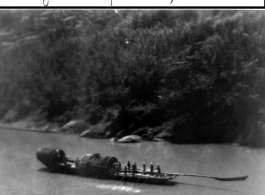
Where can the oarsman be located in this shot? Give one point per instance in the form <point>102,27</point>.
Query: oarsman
<point>125,170</point>
<point>119,166</point>
<point>116,167</point>
<point>133,169</point>
<point>151,168</point>
<point>77,162</point>
<point>129,166</point>
<point>143,168</point>
<point>158,169</point>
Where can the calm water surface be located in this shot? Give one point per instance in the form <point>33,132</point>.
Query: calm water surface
<point>21,173</point>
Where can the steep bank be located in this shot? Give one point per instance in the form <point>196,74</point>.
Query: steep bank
<point>24,117</point>
<point>187,76</point>
<point>112,125</point>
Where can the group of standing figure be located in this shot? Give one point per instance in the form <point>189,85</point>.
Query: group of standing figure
<point>133,168</point>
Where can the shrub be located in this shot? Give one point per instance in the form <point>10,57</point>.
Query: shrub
<point>95,114</point>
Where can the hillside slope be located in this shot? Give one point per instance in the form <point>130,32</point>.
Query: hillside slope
<point>181,75</point>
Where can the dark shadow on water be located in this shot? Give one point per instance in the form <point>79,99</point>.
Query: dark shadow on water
<point>45,170</point>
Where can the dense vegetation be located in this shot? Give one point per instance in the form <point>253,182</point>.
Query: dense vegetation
<point>200,72</point>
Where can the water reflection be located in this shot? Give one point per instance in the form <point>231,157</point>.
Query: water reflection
<point>121,188</point>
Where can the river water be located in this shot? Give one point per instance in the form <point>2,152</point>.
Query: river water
<point>21,173</point>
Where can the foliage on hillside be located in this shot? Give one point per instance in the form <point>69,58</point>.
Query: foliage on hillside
<point>202,70</point>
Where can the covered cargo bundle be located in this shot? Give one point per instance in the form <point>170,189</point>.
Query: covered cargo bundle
<point>94,164</point>
<point>51,157</point>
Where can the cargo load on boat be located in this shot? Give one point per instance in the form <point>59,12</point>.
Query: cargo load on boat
<point>94,164</point>
<point>51,157</point>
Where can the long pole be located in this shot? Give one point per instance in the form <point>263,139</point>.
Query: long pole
<point>127,180</point>
<point>137,180</point>
<point>241,178</point>
<point>121,179</point>
<point>110,180</point>
<point>145,180</point>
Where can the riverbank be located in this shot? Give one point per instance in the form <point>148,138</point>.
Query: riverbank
<point>103,131</point>
<point>116,123</point>
<point>27,126</point>
<point>89,122</point>
<point>79,127</point>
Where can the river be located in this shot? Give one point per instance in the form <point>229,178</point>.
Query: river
<point>22,174</point>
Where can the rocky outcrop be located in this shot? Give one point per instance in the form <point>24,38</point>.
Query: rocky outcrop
<point>142,131</point>
<point>165,131</point>
<point>147,137</point>
<point>158,140</point>
<point>146,133</point>
<point>97,131</point>
<point>130,139</point>
<point>121,134</point>
<point>165,135</point>
<point>76,126</point>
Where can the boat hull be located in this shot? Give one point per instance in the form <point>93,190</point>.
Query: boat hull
<point>139,178</point>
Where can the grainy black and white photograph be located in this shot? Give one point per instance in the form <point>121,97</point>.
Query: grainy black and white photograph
<point>128,102</point>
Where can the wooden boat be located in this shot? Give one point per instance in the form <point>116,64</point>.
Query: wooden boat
<point>94,165</point>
